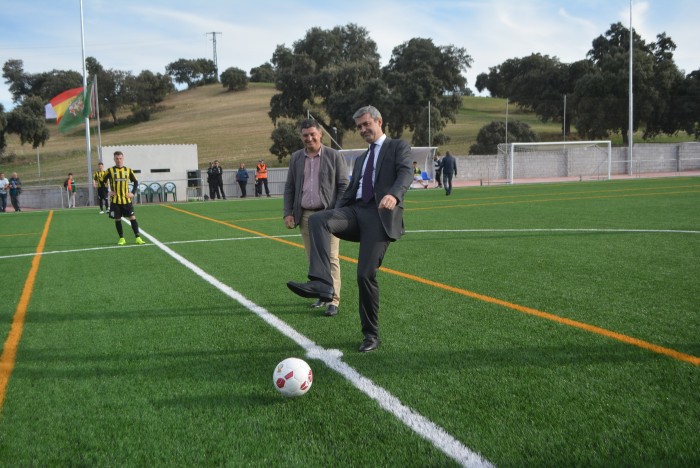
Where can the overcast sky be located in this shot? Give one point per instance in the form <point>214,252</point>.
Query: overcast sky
<point>136,35</point>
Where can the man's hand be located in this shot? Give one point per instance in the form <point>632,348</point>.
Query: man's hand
<point>289,222</point>
<point>129,195</point>
<point>388,202</point>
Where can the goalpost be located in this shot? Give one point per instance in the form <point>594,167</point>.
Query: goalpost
<point>583,159</point>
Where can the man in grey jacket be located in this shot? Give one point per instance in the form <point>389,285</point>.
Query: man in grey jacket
<point>316,179</point>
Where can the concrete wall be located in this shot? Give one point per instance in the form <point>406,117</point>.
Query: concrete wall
<point>582,162</point>
<point>158,163</point>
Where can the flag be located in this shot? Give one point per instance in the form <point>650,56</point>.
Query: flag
<point>58,105</point>
<point>77,111</point>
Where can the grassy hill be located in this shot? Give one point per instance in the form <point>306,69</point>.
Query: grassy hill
<point>231,127</point>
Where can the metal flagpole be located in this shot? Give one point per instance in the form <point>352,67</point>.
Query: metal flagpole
<point>91,192</point>
<point>97,116</point>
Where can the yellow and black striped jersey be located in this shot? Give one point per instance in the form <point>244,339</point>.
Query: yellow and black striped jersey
<point>98,177</point>
<point>119,178</point>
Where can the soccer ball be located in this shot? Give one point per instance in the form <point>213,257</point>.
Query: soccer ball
<point>292,377</point>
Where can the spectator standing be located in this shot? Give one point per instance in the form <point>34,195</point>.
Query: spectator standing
<point>316,180</point>
<point>261,177</point>
<point>69,185</point>
<point>216,182</point>
<point>102,191</point>
<point>242,178</point>
<point>437,164</point>
<point>449,169</point>
<point>3,191</point>
<point>15,191</point>
<point>369,212</point>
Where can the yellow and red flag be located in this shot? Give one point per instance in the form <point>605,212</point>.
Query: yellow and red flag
<point>58,105</point>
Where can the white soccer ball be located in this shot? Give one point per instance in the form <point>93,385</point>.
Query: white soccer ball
<point>292,377</point>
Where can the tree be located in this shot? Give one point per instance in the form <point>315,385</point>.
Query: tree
<point>687,101</point>
<point>148,88</point>
<point>418,73</point>
<point>265,73</point>
<point>319,70</point>
<point>537,83</point>
<point>45,85</point>
<point>193,73</point>
<point>28,122</point>
<point>286,140</point>
<point>493,134</point>
<point>601,96</point>
<point>331,73</point>
<point>234,79</point>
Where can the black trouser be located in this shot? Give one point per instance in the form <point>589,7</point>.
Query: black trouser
<point>359,221</point>
<point>102,195</point>
<point>14,199</point>
<point>438,178</point>
<point>214,190</point>
<point>262,182</point>
<point>242,185</point>
<point>447,182</point>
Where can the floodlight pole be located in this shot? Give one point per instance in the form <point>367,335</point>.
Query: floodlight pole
<point>631,96</point>
<point>564,120</point>
<point>430,142</point>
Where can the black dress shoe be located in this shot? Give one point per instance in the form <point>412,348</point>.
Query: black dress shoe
<point>315,289</point>
<point>370,344</point>
<point>331,311</point>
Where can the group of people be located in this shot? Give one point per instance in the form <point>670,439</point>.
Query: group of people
<point>319,198</point>
<point>445,169</point>
<point>13,187</point>
<point>367,208</point>
<point>215,179</point>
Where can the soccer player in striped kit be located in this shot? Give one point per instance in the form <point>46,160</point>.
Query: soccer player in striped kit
<point>118,177</point>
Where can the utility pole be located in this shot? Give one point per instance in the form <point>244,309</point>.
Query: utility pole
<point>216,63</point>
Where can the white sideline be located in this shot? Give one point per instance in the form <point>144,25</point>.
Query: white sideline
<point>430,431</point>
<point>421,231</point>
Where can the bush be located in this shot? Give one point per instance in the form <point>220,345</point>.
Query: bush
<point>234,79</point>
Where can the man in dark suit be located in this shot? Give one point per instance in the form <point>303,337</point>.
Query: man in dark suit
<point>449,169</point>
<point>369,212</point>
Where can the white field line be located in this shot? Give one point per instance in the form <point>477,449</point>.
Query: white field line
<point>430,431</point>
<point>417,231</point>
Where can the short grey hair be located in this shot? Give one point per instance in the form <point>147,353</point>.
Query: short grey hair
<point>371,110</point>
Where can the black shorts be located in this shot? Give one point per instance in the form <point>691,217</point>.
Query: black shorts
<point>117,211</point>
<point>102,192</point>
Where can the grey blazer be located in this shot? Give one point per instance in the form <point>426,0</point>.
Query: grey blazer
<point>333,174</point>
<point>393,176</point>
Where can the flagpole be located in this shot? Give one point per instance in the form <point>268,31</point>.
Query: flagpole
<point>96,107</point>
<point>91,193</point>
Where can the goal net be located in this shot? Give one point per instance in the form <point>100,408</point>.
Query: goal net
<point>570,159</point>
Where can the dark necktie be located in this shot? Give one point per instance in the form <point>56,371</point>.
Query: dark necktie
<point>367,185</point>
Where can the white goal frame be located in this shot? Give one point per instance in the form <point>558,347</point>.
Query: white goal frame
<point>512,146</point>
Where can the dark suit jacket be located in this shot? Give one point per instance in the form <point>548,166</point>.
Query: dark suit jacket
<point>393,175</point>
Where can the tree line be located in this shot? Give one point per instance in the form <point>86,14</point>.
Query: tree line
<point>592,94</point>
<point>330,73</point>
